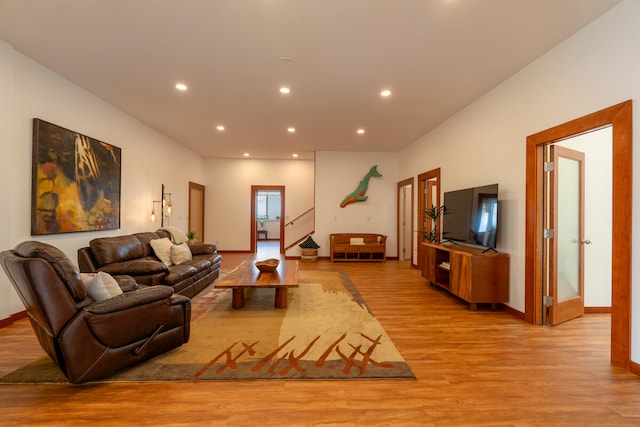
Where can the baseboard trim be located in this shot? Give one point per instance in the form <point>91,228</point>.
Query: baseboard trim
<point>13,318</point>
<point>597,310</point>
<point>512,311</point>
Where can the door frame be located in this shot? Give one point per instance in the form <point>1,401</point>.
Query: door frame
<point>422,200</point>
<point>402,184</point>
<point>620,118</point>
<point>254,192</point>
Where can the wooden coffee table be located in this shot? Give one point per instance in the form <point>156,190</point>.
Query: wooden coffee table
<point>246,275</point>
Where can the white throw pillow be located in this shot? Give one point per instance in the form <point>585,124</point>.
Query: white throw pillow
<point>103,286</point>
<point>356,241</point>
<point>162,249</point>
<point>180,254</point>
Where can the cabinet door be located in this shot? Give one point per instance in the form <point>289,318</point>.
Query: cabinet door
<point>464,270</point>
<point>429,263</point>
<point>457,275</point>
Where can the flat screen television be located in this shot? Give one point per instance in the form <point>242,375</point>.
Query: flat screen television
<point>471,216</point>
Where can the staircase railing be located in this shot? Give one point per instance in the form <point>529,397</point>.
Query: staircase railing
<point>296,230</point>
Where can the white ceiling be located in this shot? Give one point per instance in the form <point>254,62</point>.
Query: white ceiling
<point>436,56</point>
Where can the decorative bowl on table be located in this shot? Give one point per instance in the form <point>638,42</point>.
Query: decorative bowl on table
<point>267,265</point>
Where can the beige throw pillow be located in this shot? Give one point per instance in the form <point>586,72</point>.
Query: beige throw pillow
<point>162,249</point>
<point>103,286</point>
<point>87,278</point>
<point>180,254</point>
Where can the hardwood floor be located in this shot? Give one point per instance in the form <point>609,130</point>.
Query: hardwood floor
<point>473,368</point>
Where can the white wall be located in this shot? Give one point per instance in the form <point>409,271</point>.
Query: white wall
<point>337,175</point>
<point>228,195</point>
<point>27,91</point>
<point>594,69</point>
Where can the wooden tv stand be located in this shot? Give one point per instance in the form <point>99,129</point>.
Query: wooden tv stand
<point>468,273</point>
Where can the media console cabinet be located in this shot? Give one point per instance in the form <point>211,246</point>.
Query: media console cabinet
<point>468,273</point>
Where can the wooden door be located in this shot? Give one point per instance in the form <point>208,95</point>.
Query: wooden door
<point>566,246</point>
<point>196,210</point>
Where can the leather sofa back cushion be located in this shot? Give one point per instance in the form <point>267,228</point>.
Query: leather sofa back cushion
<point>145,238</point>
<point>66,269</point>
<point>106,250</point>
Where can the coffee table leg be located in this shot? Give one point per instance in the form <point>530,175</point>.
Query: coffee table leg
<point>281,298</point>
<point>237,298</point>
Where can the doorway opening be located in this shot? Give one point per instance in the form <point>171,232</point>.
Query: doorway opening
<point>267,213</point>
<point>619,117</point>
<point>428,195</point>
<point>196,211</point>
<point>405,220</point>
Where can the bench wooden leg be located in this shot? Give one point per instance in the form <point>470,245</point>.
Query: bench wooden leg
<point>237,300</point>
<point>281,298</point>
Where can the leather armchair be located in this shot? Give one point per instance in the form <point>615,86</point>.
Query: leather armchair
<point>91,340</point>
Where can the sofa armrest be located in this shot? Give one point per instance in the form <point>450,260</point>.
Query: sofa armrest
<point>132,299</point>
<point>202,248</point>
<point>134,318</point>
<point>86,262</point>
<point>126,283</point>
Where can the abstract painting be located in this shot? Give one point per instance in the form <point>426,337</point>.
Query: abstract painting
<point>75,182</point>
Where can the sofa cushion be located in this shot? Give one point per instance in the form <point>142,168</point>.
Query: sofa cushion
<point>178,273</point>
<point>162,249</point>
<point>107,250</point>
<point>145,238</point>
<point>201,262</point>
<point>180,254</point>
<point>136,267</point>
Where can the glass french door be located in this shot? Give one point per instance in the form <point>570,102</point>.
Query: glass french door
<point>566,245</point>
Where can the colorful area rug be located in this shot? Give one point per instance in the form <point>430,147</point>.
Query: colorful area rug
<point>326,332</point>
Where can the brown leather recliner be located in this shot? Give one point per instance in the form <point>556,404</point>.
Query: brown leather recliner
<point>91,340</point>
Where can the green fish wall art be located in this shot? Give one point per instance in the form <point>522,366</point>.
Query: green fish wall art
<point>358,194</point>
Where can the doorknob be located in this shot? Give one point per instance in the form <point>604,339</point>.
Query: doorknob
<point>586,242</point>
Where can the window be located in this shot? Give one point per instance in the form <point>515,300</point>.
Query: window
<point>268,205</point>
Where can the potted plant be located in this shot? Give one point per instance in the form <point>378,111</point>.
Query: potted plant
<point>261,222</point>
<point>191,235</point>
<point>433,213</point>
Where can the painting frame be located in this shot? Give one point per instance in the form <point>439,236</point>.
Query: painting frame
<point>75,181</point>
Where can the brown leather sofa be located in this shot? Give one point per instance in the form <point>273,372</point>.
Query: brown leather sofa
<point>91,340</point>
<point>133,255</point>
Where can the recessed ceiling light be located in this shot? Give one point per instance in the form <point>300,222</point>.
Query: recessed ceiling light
<point>385,92</point>
<point>285,89</point>
<point>220,127</point>
<point>360,131</point>
<point>246,154</point>
<point>294,155</point>
<point>291,130</point>
<point>181,86</point>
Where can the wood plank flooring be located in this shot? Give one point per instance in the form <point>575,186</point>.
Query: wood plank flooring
<point>479,368</point>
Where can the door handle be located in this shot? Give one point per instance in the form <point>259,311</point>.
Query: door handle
<point>586,242</point>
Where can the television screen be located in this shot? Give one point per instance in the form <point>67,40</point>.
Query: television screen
<point>471,216</point>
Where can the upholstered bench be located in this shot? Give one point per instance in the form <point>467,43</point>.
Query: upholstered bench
<point>358,247</point>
